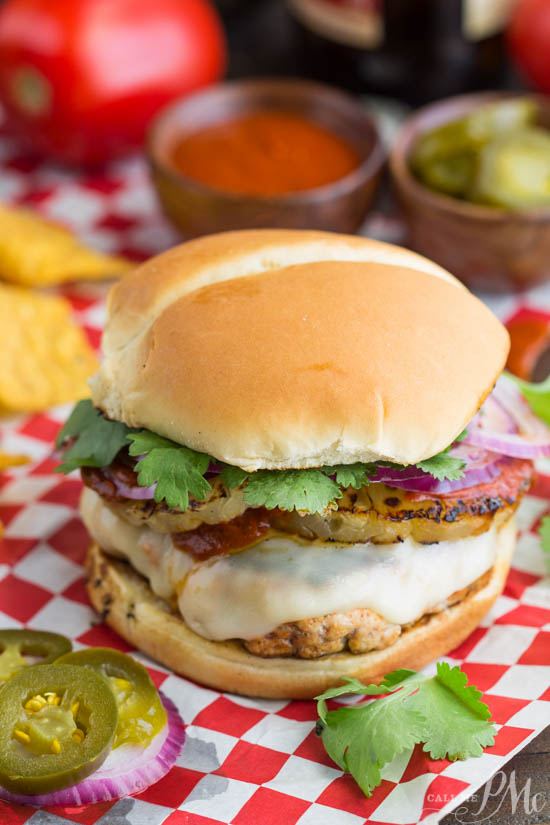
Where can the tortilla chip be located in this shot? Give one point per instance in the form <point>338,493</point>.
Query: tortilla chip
<point>11,460</point>
<point>35,252</point>
<point>45,357</point>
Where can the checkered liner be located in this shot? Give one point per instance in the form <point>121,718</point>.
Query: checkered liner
<point>245,761</point>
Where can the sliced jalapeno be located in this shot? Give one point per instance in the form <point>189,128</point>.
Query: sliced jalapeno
<point>57,724</point>
<point>21,648</point>
<point>141,714</point>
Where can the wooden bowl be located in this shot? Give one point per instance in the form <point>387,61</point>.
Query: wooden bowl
<point>487,248</point>
<point>198,209</point>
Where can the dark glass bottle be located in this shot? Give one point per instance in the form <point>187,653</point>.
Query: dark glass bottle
<point>228,8</point>
<point>416,50</point>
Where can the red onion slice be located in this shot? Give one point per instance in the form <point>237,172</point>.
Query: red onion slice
<point>496,416</point>
<point>127,770</point>
<point>515,446</point>
<point>393,475</point>
<point>530,438</point>
<point>131,491</point>
<point>481,466</point>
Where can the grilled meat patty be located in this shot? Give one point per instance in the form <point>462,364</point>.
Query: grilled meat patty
<point>358,631</point>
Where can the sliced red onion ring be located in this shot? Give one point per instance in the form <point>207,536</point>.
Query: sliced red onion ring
<point>530,438</point>
<point>127,770</point>
<point>133,491</point>
<point>516,446</point>
<point>496,416</point>
<point>392,475</point>
<point>481,466</point>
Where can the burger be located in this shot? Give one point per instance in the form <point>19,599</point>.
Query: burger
<point>300,463</point>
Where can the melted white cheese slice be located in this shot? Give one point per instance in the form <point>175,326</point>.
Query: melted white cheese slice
<point>248,594</point>
<point>151,554</point>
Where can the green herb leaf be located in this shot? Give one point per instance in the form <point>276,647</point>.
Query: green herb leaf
<point>308,490</point>
<point>363,738</point>
<point>177,471</point>
<point>544,533</point>
<point>443,467</point>
<point>96,439</point>
<point>233,477</point>
<point>351,475</point>
<point>350,686</point>
<point>457,721</point>
<point>396,677</point>
<point>442,711</point>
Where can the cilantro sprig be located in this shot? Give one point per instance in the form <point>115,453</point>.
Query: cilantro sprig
<point>441,711</point>
<point>443,466</point>
<point>88,439</point>
<point>175,470</point>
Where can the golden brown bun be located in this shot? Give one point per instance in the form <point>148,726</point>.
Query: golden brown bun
<point>148,623</point>
<point>275,349</point>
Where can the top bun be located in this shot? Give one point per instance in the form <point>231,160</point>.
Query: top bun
<point>279,348</point>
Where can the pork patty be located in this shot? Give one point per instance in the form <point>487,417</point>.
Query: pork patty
<point>358,631</point>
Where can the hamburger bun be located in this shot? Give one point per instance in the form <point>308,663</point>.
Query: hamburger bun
<point>285,349</point>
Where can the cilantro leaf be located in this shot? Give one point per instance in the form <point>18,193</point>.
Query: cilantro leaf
<point>544,533</point>
<point>309,490</point>
<point>350,686</point>
<point>351,475</point>
<point>458,723</point>
<point>233,477</point>
<point>442,711</point>
<point>396,677</point>
<point>81,415</point>
<point>177,471</point>
<point>362,739</point>
<point>443,466</point>
<point>96,439</point>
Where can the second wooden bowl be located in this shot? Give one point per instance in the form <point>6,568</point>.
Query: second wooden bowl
<point>487,248</point>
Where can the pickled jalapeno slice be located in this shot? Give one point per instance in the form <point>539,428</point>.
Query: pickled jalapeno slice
<point>57,725</point>
<point>23,648</point>
<point>141,714</point>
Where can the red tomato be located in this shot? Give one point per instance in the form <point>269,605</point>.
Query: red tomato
<point>529,39</point>
<point>81,79</point>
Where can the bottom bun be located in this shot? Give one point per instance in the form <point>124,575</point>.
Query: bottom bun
<point>128,605</point>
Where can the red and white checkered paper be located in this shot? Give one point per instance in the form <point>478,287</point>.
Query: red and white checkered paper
<point>245,761</point>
